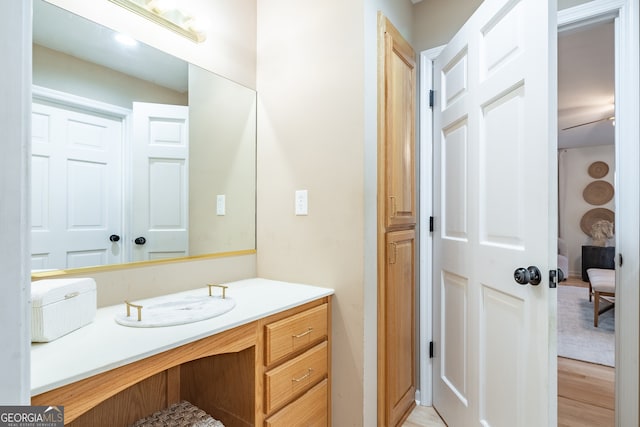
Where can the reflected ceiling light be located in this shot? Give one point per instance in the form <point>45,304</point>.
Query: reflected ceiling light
<point>165,13</point>
<point>125,39</point>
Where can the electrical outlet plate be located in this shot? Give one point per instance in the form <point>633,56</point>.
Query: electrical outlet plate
<point>220,204</point>
<point>302,207</point>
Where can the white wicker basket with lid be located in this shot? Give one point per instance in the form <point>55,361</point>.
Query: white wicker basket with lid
<point>60,306</point>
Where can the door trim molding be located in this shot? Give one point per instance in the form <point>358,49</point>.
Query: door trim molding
<point>52,95</point>
<point>627,132</point>
<point>424,394</point>
<point>627,182</point>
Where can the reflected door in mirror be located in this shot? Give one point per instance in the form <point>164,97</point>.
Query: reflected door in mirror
<point>76,187</point>
<point>160,180</point>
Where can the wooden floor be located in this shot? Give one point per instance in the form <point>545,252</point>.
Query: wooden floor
<point>575,281</point>
<point>585,397</point>
<point>424,416</point>
<point>585,393</point>
<point>585,390</point>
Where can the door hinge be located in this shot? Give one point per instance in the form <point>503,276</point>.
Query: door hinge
<point>431,97</point>
<point>431,224</point>
<point>430,349</point>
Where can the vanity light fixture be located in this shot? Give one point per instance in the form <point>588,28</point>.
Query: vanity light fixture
<point>162,12</point>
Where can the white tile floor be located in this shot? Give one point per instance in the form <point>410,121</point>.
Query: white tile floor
<point>424,416</point>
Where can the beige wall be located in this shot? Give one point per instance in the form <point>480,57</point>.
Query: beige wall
<point>435,22</point>
<point>316,85</point>
<point>572,179</point>
<point>65,73</point>
<point>148,280</point>
<point>222,161</point>
<point>565,4</point>
<point>310,136</point>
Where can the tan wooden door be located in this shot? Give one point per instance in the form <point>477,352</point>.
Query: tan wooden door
<point>400,322</point>
<point>399,129</point>
<point>495,196</point>
<point>397,223</point>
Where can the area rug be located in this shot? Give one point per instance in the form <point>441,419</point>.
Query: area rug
<point>577,337</point>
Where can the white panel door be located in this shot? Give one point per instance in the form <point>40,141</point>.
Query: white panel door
<point>76,197</point>
<point>495,208</point>
<point>160,197</point>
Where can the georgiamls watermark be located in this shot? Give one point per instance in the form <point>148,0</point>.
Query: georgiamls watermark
<point>31,416</point>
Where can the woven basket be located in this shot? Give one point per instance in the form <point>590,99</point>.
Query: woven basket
<point>182,414</point>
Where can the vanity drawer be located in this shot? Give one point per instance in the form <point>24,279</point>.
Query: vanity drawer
<point>310,410</point>
<point>292,378</point>
<point>293,333</point>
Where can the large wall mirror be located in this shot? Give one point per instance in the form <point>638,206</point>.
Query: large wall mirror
<point>136,155</point>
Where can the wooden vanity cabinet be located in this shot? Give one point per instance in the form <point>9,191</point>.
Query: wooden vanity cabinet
<point>274,371</point>
<point>297,365</point>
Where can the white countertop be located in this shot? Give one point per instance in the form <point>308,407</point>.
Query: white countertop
<point>104,345</point>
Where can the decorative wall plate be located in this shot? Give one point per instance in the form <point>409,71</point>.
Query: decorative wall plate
<point>598,193</point>
<point>595,215</point>
<point>598,170</point>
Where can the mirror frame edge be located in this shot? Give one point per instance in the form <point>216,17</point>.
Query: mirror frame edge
<point>102,268</point>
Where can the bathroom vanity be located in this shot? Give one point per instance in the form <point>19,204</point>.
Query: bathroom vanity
<point>266,362</point>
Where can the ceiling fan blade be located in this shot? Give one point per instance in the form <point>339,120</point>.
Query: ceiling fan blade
<point>588,123</point>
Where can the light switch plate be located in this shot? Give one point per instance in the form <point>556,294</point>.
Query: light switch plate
<point>220,204</point>
<point>302,206</point>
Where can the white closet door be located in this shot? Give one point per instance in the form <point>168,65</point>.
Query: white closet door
<point>76,194</point>
<point>160,205</point>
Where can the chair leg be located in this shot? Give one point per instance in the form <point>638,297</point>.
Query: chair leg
<point>590,291</point>
<point>596,303</point>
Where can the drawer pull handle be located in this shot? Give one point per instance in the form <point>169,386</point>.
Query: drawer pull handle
<point>304,377</point>
<point>72,295</point>
<point>307,332</point>
<point>138,307</point>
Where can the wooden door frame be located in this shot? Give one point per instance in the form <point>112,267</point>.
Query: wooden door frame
<point>627,155</point>
<point>627,208</point>
<point>425,239</point>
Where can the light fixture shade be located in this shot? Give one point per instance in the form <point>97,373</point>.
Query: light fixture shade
<point>161,12</point>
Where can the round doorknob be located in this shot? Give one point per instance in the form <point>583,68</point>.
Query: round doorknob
<point>140,241</point>
<point>114,238</point>
<point>530,275</point>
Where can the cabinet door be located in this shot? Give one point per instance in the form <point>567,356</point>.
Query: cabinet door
<point>398,102</point>
<point>399,322</point>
